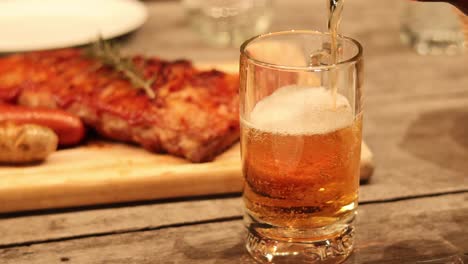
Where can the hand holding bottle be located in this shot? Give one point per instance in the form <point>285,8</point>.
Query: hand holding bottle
<point>460,4</point>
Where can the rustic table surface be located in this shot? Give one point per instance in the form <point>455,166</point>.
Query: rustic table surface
<point>414,210</point>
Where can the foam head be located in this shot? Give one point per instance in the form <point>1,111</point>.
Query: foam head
<point>301,110</point>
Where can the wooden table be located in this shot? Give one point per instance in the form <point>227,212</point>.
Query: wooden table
<point>414,209</point>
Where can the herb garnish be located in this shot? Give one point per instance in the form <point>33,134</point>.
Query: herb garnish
<point>109,55</point>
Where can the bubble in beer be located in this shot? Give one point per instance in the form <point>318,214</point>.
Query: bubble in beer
<point>301,110</point>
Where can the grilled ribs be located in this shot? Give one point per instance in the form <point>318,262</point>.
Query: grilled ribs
<point>194,114</point>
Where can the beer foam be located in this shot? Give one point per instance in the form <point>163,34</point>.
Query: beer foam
<point>301,110</point>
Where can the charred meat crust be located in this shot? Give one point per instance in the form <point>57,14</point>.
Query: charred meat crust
<point>194,115</point>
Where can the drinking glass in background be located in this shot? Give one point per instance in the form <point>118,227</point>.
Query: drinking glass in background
<point>300,146</point>
<point>228,22</point>
<point>432,28</point>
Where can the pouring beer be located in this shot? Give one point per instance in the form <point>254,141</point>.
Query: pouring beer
<point>301,127</point>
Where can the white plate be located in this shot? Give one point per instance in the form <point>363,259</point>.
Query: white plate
<point>46,24</point>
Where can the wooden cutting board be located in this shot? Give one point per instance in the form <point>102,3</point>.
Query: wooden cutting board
<point>104,172</point>
<point>110,172</point>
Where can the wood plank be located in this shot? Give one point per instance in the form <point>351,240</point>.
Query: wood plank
<point>31,228</point>
<point>114,172</point>
<point>418,144</point>
<point>409,231</point>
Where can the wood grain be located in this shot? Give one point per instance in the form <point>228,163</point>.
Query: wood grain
<point>33,228</point>
<point>113,173</point>
<point>408,231</point>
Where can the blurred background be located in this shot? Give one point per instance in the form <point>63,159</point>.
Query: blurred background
<point>222,25</point>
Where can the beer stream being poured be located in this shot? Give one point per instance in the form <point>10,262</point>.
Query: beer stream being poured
<point>300,143</point>
<point>335,8</point>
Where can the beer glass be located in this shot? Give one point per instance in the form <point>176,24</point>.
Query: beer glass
<point>301,123</point>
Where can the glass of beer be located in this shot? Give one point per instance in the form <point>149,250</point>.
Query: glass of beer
<point>301,123</point>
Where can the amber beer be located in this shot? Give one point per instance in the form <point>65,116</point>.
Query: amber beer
<point>301,122</point>
<point>302,169</point>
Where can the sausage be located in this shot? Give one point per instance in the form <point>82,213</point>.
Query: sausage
<point>25,143</point>
<point>69,128</point>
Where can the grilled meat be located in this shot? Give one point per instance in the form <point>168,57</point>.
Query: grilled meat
<point>194,114</point>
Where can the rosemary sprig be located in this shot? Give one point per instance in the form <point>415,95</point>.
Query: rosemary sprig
<point>109,55</point>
